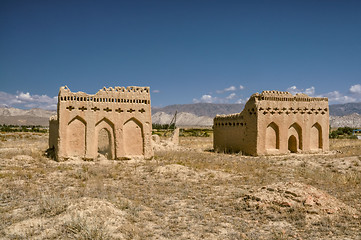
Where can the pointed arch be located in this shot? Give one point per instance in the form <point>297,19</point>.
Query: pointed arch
<point>104,138</point>
<point>77,118</point>
<point>316,136</point>
<point>272,136</point>
<point>76,137</point>
<point>133,137</point>
<point>105,143</point>
<point>295,142</point>
<point>106,120</point>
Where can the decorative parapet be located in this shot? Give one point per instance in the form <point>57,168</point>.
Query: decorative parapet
<point>229,116</point>
<point>286,96</point>
<point>235,119</point>
<point>115,95</point>
<point>129,89</point>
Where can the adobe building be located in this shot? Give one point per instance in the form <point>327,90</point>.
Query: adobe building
<point>115,122</point>
<point>275,122</point>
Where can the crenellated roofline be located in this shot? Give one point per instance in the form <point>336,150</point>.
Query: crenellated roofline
<point>64,90</point>
<point>285,96</point>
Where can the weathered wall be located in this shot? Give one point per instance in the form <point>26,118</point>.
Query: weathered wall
<point>275,123</point>
<point>237,132</point>
<point>53,132</point>
<point>124,114</point>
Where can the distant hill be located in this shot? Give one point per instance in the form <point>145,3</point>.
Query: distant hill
<point>34,116</point>
<point>198,114</point>
<point>183,119</point>
<point>201,114</point>
<point>353,120</point>
<point>212,109</point>
<point>345,109</point>
<point>201,109</point>
<point>34,112</point>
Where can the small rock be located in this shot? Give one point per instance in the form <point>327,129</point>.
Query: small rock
<point>155,138</point>
<point>291,193</point>
<point>330,211</point>
<point>309,202</point>
<point>285,204</point>
<point>312,211</point>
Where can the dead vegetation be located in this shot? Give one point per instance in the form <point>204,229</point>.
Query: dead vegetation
<point>190,193</point>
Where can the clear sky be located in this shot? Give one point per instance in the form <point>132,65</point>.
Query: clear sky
<point>186,51</point>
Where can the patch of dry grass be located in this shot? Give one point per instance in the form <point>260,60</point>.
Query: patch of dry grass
<point>187,194</point>
<point>346,147</point>
<point>81,229</point>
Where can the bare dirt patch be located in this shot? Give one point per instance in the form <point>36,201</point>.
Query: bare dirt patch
<point>190,193</point>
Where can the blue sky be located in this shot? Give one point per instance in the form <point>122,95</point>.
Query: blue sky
<point>186,51</point>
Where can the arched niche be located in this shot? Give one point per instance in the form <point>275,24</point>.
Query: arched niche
<point>76,137</point>
<point>104,134</point>
<point>133,137</point>
<point>272,136</point>
<point>316,137</point>
<point>292,144</point>
<point>296,131</point>
<point>105,143</point>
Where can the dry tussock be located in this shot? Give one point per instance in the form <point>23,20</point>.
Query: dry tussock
<point>190,193</point>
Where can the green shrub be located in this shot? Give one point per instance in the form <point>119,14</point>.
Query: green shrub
<point>23,128</point>
<point>343,132</point>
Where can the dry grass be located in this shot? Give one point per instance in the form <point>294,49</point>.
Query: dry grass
<point>80,228</point>
<point>346,147</point>
<point>187,194</point>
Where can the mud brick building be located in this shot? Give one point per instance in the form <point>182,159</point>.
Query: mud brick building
<point>275,122</point>
<point>115,122</point>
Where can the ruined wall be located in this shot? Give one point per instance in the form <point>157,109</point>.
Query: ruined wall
<point>275,123</point>
<point>236,132</point>
<point>115,122</point>
<point>53,132</point>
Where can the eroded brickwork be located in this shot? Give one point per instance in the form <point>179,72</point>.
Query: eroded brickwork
<point>115,122</point>
<point>275,122</point>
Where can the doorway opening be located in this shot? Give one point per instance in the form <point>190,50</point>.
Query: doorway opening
<point>104,143</point>
<point>292,144</point>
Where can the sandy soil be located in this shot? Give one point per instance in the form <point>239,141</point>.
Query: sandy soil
<point>186,192</point>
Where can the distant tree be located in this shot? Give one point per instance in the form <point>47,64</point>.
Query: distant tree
<point>342,132</point>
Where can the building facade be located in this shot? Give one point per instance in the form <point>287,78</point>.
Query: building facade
<point>275,122</point>
<point>115,122</point>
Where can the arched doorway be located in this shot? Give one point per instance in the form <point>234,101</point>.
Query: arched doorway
<point>104,138</point>
<point>316,137</point>
<point>104,143</point>
<point>292,144</point>
<point>272,136</point>
<point>133,137</point>
<point>295,138</point>
<point>76,132</point>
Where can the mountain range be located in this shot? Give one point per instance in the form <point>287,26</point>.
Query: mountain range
<point>198,114</point>
<point>34,116</point>
<point>345,109</point>
<point>201,109</point>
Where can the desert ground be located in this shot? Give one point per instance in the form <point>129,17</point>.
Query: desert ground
<point>185,192</point>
